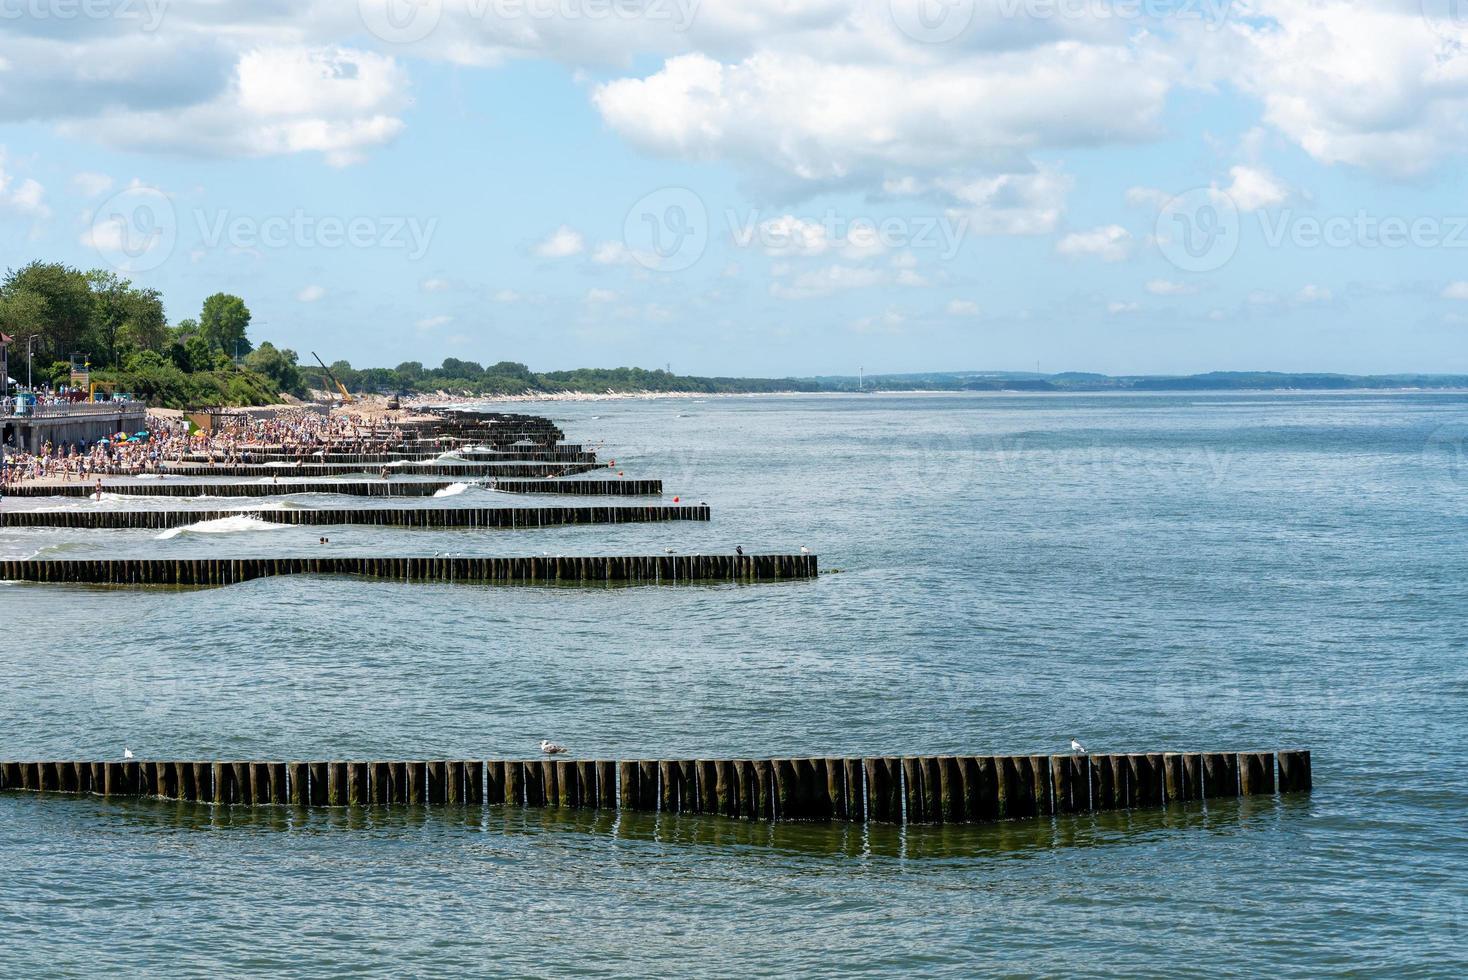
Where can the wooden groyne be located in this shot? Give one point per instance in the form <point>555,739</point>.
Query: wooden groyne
<point>887,789</point>
<point>355,488</point>
<point>613,570</point>
<point>249,457</point>
<point>416,517</point>
<point>412,469</point>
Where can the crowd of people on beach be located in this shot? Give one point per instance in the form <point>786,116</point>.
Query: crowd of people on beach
<point>236,440</point>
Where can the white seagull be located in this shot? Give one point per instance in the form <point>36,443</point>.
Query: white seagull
<point>551,748</point>
<point>1076,746</point>
<point>804,550</point>
<point>127,753</point>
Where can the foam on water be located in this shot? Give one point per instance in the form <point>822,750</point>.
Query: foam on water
<point>221,525</point>
<point>452,490</point>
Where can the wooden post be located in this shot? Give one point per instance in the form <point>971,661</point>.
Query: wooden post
<point>438,789</point>
<point>647,779</point>
<point>981,785</point>
<point>484,781</point>
<point>534,783</point>
<point>879,792</point>
<point>568,790</point>
<point>336,792</point>
<point>380,785</point>
<point>838,808</point>
<point>606,784</point>
<point>1220,775</point>
<point>1067,784</point>
<point>708,787</point>
<point>931,770</point>
<point>630,790</point>
<point>586,784</point>
<point>358,784</point>
<point>668,779</point>
<point>687,786</point>
<point>1193,775</point>
<point>1294,772</point>
<point>787,792</point>
<point>514,784</point>
<point>204,781</point>
<point>1016,787</point>
<point>1256,773</point>
<point>912,790</point>
<point>1144,781</point>
<point>1174,780</point>
<point>298,776</point>
<point>856,794</point>
<point>760,789</point>
<point>320,784</point>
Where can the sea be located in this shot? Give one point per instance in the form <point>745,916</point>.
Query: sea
<point>1000,573</point>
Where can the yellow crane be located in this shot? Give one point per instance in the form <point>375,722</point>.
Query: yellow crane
<point>346,398</point>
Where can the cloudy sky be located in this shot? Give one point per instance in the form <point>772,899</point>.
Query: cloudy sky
<point>763,186</point>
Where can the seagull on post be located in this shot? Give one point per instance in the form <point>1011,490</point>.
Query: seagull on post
<point>1076,746</point>
<point>127,753</point>
<point>551,748</point>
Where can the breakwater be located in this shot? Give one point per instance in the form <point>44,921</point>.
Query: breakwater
<point>409,469</point>
<point>375,487</point>
<point>613,570</point>
<point>461,517</point>
<point>247,457</point>
<point>886,789</point>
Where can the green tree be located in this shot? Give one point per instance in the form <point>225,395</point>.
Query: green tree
<point>223,323</point>
<point>124,318</point>
<point>277,365</point>
<point>50,301</point>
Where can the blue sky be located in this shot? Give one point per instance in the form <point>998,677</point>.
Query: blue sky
<point>763,187</point>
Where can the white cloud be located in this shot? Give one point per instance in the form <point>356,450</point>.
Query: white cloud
<point>311,294</point>
<point>435,285</point>
<point>889,321</point>
<point>1312,293</point>
<point>824,282</point>
<point>1255,188</point>
<point>1399,111</point>
<point>563,243</point>
<point>595,295</point>
<point>1146,197</point>
<point>431,322</point>
<point>1110,243</point>
<point>24,197</point>
<point>336,101</point>
<point>1456,290</point>
<point>507,296</point>
<point>962,307</point>
<point>1165,287</point>
<point>91,185</point>
<point>1118,308</point>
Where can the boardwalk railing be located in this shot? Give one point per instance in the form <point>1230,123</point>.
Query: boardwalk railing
<point>891,789</point>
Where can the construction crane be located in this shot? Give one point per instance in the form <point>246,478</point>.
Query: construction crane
<point>346,398</point>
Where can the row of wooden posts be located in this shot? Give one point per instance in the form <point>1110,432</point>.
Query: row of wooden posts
<point>342,469</point>
<point>563,454</point>
<point>415,517</point>
<point>353,488</point>
<point>912,789</point>
<point>609,570</point>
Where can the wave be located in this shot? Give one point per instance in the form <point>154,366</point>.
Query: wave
<point>452,490</point>
<point>221,525</point>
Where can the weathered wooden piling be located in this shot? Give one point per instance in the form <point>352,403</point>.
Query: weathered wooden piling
<point>500,518</point>
<point>910,789</point>
<point>560,570</point>
<point>352,488</point>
